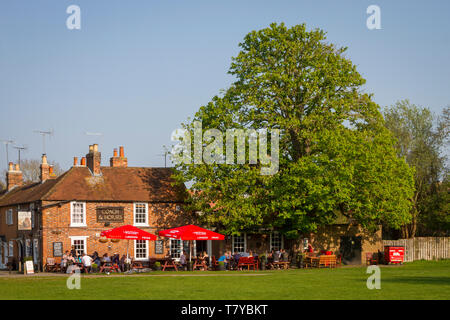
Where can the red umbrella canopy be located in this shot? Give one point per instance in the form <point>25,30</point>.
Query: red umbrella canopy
<point>129,233</point>
<point>191,232</point>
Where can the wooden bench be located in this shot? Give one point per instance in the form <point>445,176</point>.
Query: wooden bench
<point>137,265</point>
<point>281,265</point>
<point>248,262</point>
<point>327,261</point>
<point>52,265</point>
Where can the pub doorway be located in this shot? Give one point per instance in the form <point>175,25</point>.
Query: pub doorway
<point>202,246</point>
<point>350,249</point>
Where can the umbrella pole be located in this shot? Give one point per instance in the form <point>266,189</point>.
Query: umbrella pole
<point>190,250</point>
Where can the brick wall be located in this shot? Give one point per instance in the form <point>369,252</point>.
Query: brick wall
<point>56,226</point>
<point>329,238</point>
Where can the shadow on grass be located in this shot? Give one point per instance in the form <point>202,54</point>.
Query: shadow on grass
<point>419,280</point>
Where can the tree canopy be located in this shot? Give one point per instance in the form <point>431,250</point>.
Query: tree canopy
<point>421,138</point>
<point>336,155</point>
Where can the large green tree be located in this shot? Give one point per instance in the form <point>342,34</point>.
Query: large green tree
<point>336,156</point>
<point>421,138</point>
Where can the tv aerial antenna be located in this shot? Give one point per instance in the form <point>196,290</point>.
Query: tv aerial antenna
<point>19,150</point>
<point>94,134</point>
<point>43,134</point>
<point>166,152</point>
<point>98,134</point>
<point>7,143</point>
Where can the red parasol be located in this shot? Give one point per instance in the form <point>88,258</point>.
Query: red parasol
<point>128,232</point>
<point>191,232</point>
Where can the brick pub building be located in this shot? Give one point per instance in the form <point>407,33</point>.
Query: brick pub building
<point>44,219</point>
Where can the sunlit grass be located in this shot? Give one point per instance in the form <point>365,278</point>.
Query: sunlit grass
<point>418,280</point>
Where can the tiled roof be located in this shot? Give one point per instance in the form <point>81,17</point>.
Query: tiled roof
<point>115,184</point>
<point>28,193</point>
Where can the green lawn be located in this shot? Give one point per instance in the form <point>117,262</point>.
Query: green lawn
<point>418,280</point>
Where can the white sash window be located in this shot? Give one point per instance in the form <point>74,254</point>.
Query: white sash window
<point>78,214</point>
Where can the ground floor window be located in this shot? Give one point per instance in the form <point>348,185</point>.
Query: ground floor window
<point>276,241</point>
<point>140,249</point>
<point>79,244</point>
<point>239,244</point>
<point>176,246</point>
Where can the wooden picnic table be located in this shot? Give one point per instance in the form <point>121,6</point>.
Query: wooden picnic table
<point>109,267</point>
<point>312,261</point>
<point>200,263</point>
<point>169,263</point>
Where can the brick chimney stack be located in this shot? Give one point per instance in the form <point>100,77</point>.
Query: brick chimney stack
<point>94,159</point>
<point>45,169</point>
<point>119,161</point>
<point>51,173</point>
<point>14,177</point>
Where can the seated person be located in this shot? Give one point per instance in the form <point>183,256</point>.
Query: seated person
<point>223,259</point>
<point>284,255</point>
<point>64,260</point>
<point>183,261</point>
<point>236,258</point>
<point>87,262</point>
<point>276,256</point>
<point>122,263</point>
<point>96,259</point>
<point>106,258</point>
<point>204,256</point>
<point>116,259</point>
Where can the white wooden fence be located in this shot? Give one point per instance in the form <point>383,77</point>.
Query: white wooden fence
<point>429,248</point>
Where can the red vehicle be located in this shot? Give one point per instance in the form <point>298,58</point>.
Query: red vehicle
<point>394,254</point>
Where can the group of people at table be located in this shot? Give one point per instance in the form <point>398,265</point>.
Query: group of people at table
<point>72,261</point>
<point>231,261</point>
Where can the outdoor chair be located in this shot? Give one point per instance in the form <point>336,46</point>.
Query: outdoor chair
<point>371,258</point>
<point>214,263</point>
<point>51,265</point>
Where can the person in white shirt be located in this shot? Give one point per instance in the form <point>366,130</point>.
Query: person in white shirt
<point>183,261</point>
<point>87,262</point>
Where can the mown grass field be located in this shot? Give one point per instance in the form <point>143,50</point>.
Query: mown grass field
<point>418,280</point>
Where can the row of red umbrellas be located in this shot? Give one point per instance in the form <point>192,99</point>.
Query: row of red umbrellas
<point>189,232</point>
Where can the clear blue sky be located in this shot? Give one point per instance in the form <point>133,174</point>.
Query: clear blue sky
<point>137,69</point>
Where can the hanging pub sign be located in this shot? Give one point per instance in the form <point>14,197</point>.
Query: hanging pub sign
<point>57,249</point>
<point>109,214</point>
<point>24,220</point>
<point>159,247</point>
